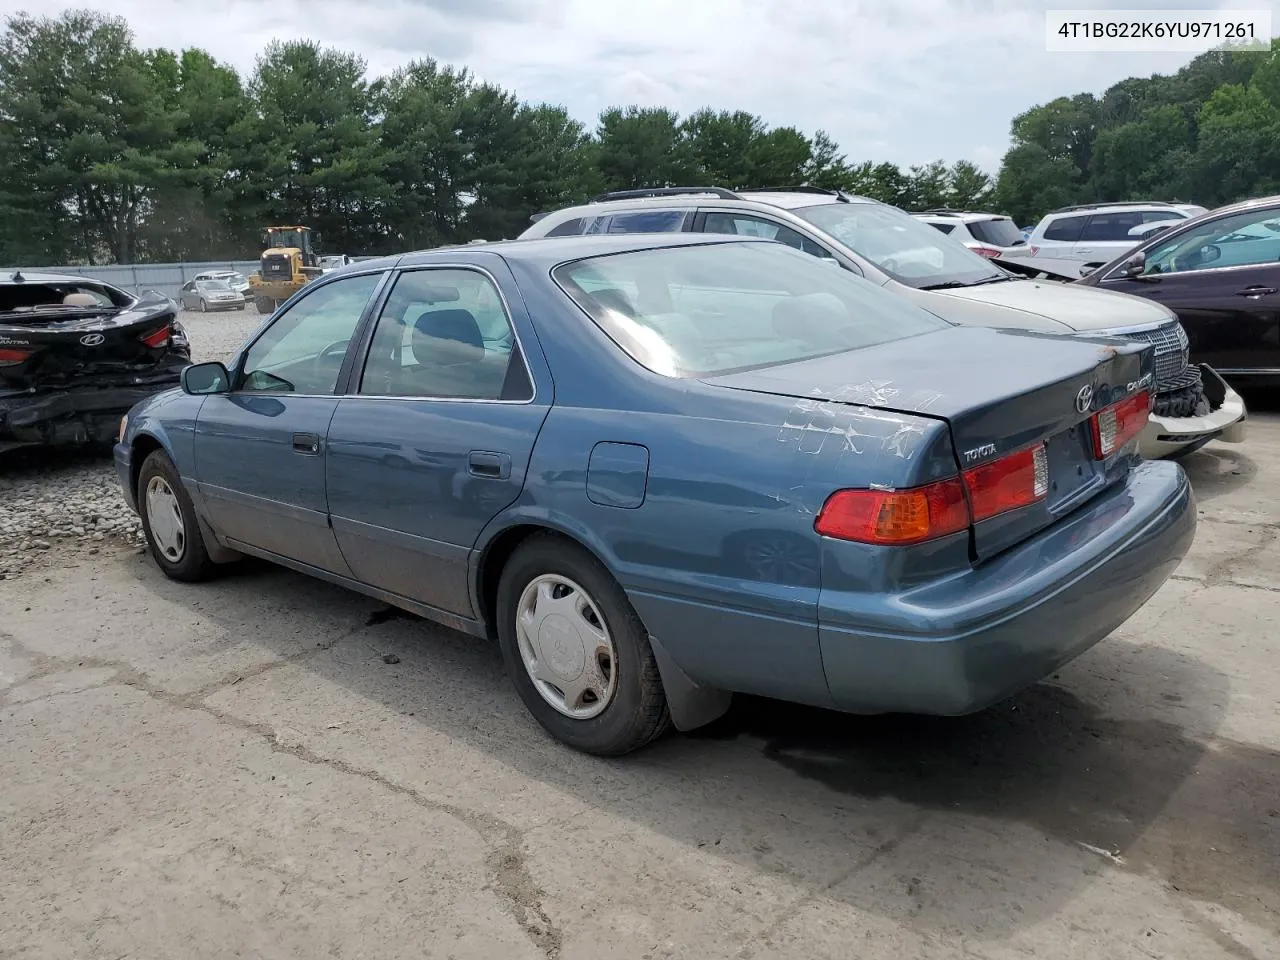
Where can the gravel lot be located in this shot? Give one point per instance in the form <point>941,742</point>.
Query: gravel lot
<point>50,499</point>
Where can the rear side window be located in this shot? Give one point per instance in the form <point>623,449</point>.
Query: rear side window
<point>1161,216</point>
<point>692,311</point>
<point>570,228</point>
<point>942,227</point>
<point>445,333</point>
<point>1001,233</point>
<point>1111,226</point>
<point>646,221</point>
<point>1065,229</point>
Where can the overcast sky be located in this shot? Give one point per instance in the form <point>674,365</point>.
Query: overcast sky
<point>900,80</point>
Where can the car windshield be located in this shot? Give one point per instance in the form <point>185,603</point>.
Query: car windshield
<point>910,251</point>
<point>1001,232</point>
<point>216,285</point>
<point>693,311</point>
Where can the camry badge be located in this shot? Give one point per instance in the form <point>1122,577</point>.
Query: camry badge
<point>1084,399</point>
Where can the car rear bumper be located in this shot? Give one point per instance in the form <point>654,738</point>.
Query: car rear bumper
<point>76,415</point>
<point>1166,436</point>
<point>959,645</point>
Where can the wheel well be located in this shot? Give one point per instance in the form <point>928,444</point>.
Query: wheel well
<point>143,446</point>
<point>495,558</point>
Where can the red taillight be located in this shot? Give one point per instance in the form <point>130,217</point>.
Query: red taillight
<point>9,356</point>
<point>904,517</point>
<point>156,338</point>
<point>986,251</point>
<point>895,517</point>
<point>1119,423</point>
<point>1017,480</point>
<point>1034,251</point>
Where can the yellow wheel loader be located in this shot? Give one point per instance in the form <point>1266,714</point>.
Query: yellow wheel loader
<point>288,263</point>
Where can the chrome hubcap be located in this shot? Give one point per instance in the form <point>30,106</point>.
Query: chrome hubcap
<point>164,518</point>
<point>566,647</point>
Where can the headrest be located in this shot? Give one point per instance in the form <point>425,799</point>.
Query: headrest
<point>459,325</point>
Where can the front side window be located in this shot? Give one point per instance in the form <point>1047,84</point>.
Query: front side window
<point>707,310</point>
<point>744,225</point>
<point>302,351</point>
<point>907,249</point>
<point>1243,239</point>
<point>445,334</point>
<point>1109,227</point>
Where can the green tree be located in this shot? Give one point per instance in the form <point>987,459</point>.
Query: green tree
<point>311,155</point>
<point>643,147</point>
<point>968,187</point>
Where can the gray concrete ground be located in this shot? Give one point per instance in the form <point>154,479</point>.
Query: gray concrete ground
<point>234,769</point>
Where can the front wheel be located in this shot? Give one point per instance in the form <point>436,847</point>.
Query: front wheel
<point>576,649</point>
<point>265,305</point>
<point>169,521</point>
<point>204,307</point>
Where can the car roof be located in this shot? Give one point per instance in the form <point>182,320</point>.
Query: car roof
<point>964,216</point>
<point>1088,209</point>
<point>549,251</point>
<point>783,199</point>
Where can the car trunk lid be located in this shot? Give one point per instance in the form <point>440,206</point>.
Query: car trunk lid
<point>999,391</point>
<point>51,346</point>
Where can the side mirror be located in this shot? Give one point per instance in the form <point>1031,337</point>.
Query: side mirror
<point>201,379</point>
<point>1087,268</point>
<point>831,260</point>
<point>1135,264</point>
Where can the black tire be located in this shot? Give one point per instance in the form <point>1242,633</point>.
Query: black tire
<point>194,565</point>
<point>265,305</point>
<point>204,307</point>
<point>637,714</point>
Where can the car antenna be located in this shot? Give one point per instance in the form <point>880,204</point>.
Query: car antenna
<point>18,277</point>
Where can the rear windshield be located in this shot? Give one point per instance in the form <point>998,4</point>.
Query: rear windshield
<point>1000,233</point>
<point>34,296</point>
<point>694,311</point>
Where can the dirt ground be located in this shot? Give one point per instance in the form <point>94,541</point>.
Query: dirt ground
<point>270,767</point>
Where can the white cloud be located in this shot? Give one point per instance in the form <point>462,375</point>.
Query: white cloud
<point>901,80</point>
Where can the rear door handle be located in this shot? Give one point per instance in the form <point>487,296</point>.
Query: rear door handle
<point>307,443</point>
<point>486,463</point>
<point>1253,293</point>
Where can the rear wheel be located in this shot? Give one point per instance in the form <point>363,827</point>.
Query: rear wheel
<point>576,650</point>
<point>169,521</point>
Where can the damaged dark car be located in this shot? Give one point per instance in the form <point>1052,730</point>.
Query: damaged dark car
<point>76,354</point>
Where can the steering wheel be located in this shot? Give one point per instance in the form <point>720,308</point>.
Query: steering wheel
<point>322,360</point>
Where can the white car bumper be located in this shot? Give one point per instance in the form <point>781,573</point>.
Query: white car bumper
<point>1166,436</point>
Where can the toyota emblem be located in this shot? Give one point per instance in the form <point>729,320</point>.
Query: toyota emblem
<point>92,339</point>
<point>1084,399</point>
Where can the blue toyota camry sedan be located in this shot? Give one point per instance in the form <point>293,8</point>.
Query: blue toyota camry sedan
<point>660,470</point>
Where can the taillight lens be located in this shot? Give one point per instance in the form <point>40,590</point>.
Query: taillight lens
<point>8,356</point>
<point>895,517</point>
<point>1017,480</point>
<point>1034,251</point>
<point>904,517</point>
<point>156,338</point>
<point>986,251</point>
<point>1119,423</point>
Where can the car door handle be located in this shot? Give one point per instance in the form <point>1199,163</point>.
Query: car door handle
<point>1253,293</point>
<point>307,443</point>
<point>485,463</point>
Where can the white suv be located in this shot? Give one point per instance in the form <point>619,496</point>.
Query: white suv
<point>1095,233</point>
<point>986,234</point>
